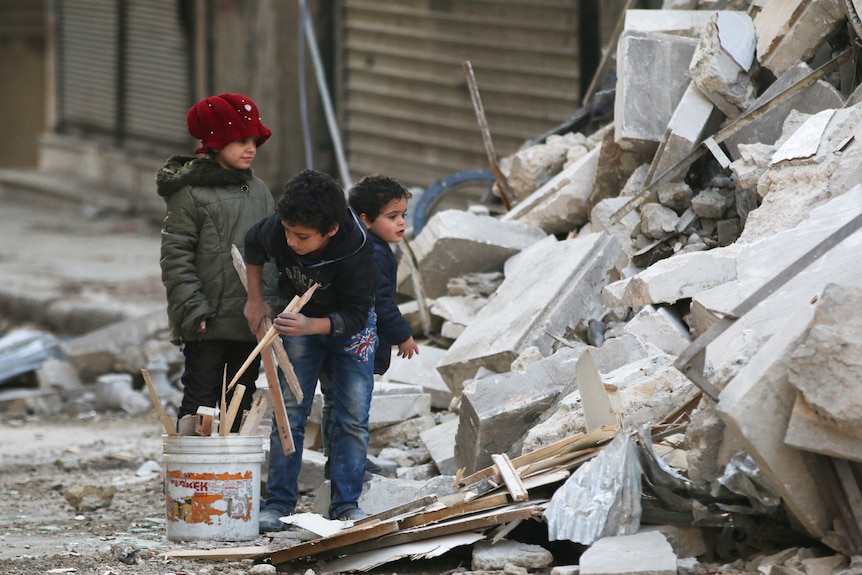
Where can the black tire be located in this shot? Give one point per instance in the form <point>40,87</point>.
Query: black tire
<point>455,191</point>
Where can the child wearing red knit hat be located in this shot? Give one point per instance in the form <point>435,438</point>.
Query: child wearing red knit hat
<point>212,199</point>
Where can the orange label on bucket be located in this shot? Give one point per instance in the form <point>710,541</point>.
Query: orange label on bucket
<point>202,497</point>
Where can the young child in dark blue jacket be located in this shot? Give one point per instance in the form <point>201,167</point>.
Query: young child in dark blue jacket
<point>381,204</point>
<point>314,238</point>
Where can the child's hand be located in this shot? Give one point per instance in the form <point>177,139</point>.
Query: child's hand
<point>293,324</point>
<point>407,349</point>
<point>254,312</point>
<point>202,328</point>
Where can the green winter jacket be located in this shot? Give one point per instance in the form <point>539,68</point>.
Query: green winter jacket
<point>209,209</point>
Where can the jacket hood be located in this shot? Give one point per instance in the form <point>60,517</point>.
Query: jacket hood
<point>180,171</point>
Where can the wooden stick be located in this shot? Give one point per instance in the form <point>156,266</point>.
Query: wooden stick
<point>167,422</point>
<point>229,416</point>
<point>255,416</point>
<point>505,188</point>
<point>223,407</point>
<point>293,307</point>
<point>278,407</point>
<point>510,477</point>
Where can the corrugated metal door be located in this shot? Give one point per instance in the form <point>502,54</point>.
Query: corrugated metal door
<point>87,65</point>
<point>157,73</point>
<point>404,105</point>
<point>123,70</point>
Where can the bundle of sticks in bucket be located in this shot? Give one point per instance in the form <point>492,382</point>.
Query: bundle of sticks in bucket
<point>219,419</point>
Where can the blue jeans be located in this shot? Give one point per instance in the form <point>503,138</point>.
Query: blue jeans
<point>352,363</point>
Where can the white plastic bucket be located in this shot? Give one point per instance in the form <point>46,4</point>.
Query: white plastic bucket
<point>212,487</point>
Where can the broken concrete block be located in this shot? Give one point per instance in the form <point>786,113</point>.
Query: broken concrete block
<point>757,402</point>
<point>457,312</point>
<point>661,327</point>
<point>767,128</point>
<point>529,168</point>
<point>440,442</point>
<point>646,552</point>
<point>658,221</point>
<point>790,31</point>
<point>821,370</point>
<point>642,391</point>
<point>116,347</point>
<point>488,556</point>
<point>400,433</point>
<point>759,261</point>
<point>497,410</point>
<point>524,312</point>
<point>562,204</point>
<point>393,403</point>
<point>694,117</point>
<point>615,169</point>
<point>682,276</point>
<point>456,242</point>
<point>600,221</point>
<point>653,55</point>
<point>792,189</point>
<point>723,62</point>
<point>421,371</point>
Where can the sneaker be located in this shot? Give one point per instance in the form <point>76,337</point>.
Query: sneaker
<point>269,520</point>
<point>371,467</point>
<point>352,514</point>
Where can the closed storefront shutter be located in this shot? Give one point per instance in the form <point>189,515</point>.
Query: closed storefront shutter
<point>87,50</point>
<point>157,74</point>
<point>123,70</point>
<point>405,104</point>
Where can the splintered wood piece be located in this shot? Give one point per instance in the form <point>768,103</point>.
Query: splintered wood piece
<point>293,307</point>
<point>281,359</point>
<point>204,421</point>
<point>510,477</point>
<point>255,415</point>
<point>167,422</point>
<point>223,405</point>
<point>567,445</point>
<point>230,415</point>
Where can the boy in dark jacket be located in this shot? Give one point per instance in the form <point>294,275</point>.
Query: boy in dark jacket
<point>211,201</point>
<point>314,238</point>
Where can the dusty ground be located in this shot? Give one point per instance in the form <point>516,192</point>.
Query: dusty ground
<point>40,532</point>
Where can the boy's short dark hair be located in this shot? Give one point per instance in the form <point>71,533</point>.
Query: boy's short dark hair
<point>371,193</point>
<point>312,199</point>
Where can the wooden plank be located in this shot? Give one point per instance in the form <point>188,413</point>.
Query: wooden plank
<point>449,512</point>
<point>229,417</point>
<point>255,416</point>
<point>476,522</point>
<point>569,444</point>
<point>167,421</point>
<point>339,540</point>
<point>408,507</point>
<point>229,553</point>
<point>510,477</point>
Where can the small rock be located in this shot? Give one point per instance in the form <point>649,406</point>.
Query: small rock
<point>90,497</point>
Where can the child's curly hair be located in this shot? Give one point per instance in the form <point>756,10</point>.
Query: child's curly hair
<point>312,199</point>
<point>371,193</point>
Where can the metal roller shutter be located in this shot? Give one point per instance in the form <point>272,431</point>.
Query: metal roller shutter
<point>87,38</point>
<point>157,73</point>
<point>405,106</point>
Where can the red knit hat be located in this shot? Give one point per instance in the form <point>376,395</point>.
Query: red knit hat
<point>219,120</point>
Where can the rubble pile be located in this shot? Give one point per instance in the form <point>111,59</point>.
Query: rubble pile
<point>654,353</point>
